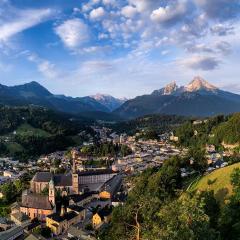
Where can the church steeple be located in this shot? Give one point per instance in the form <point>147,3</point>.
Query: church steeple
<point>51,192</point>
<point>75,180</point>
<point>74,156</point>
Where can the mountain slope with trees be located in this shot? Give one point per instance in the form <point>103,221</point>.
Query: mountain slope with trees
<point>34,93</point>
<point>30,131</point>
<point>199,98</point>
<point>158,208</point>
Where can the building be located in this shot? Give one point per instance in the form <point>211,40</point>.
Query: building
<point>33,236</point>
<point>73,183</point>
<point>78,233</point>
<point>5,224</point>
<point>37,206</point>
<point>60,223</point>
<point>111,187</point>
<point>20,219</point>
<point>82,199</point>
<point>41,181</point>
<point>103,216</point>
<point>12,234</point>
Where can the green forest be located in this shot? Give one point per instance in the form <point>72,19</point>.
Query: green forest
<point>30,131</point>
<point>215,130</point>
<point>158,208</point>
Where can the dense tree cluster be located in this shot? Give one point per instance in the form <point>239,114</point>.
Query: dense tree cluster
<point>191,134</point>
<point>106,150</point>
<point>157,123</point>
<point>56,131</point>
<point>158,208</point>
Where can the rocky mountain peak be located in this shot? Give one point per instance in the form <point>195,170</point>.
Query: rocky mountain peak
<point>199,83</point>
<point>170,88</point>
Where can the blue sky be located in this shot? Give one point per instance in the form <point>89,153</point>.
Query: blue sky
<point>121,47</point>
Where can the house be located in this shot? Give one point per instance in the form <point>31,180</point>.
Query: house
<point>111,187</point>
<point>82,199</point>
<point>60,223</point>
<point>35,237</point>
<point>78,233</point>
<point>20,219</point>
<point>101,217</point>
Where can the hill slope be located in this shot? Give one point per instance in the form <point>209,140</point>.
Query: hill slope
<point>219,182</point>
<point>27,132</point>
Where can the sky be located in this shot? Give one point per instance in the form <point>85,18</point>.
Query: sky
<point>120,47</point>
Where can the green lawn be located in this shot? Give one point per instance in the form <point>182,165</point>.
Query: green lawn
<point>219,182</point>
<point>27,130</point>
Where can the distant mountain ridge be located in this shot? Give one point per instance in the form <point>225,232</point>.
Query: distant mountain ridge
<point>36,94</point>
<point>198,98</point>
<point>109,101</point>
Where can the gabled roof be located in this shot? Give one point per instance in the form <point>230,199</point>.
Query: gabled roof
<point>36,201</point>
<point>63,180</point>
<point>113,184</point>
<point>58,179</point>
<point>78,198</point>
<point>58,218</point>
<point>42,177</point>
<point>96,172</point>
<point>76,208</point>
<point>104,212</point>
<point>20,216</point>
<point>8,234</point>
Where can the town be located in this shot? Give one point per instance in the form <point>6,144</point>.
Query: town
<point>72,193</point>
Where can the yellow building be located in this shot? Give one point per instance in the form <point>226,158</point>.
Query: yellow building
<point>60,223</point>
<point>111,187</point>
<point>101,217</point>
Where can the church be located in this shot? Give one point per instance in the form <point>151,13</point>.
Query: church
<point>35,204</point>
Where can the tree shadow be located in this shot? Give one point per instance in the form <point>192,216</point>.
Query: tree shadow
<point>210,182</point>
<point>221,194</point>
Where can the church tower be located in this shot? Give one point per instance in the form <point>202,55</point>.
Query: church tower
<point>75,181</point>
<point>51,192</point>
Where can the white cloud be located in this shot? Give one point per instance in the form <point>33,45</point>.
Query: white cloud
<point>73,32</point>
<point>129,11</point>
<point>109,2</point>
<point>23,20</point>
<point>45,67</point>
<point>145,5</point>
<point>205,63</point>
<point>97,13</point>
<point>170,12</point>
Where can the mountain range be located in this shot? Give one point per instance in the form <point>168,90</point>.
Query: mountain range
<point>198,98</point>
<point>34,93</point>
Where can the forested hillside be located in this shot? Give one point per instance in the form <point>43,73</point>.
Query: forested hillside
<point>30,131</point>
<point>214,130</point>
<point>158,208</point>
<point>157,123</point>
